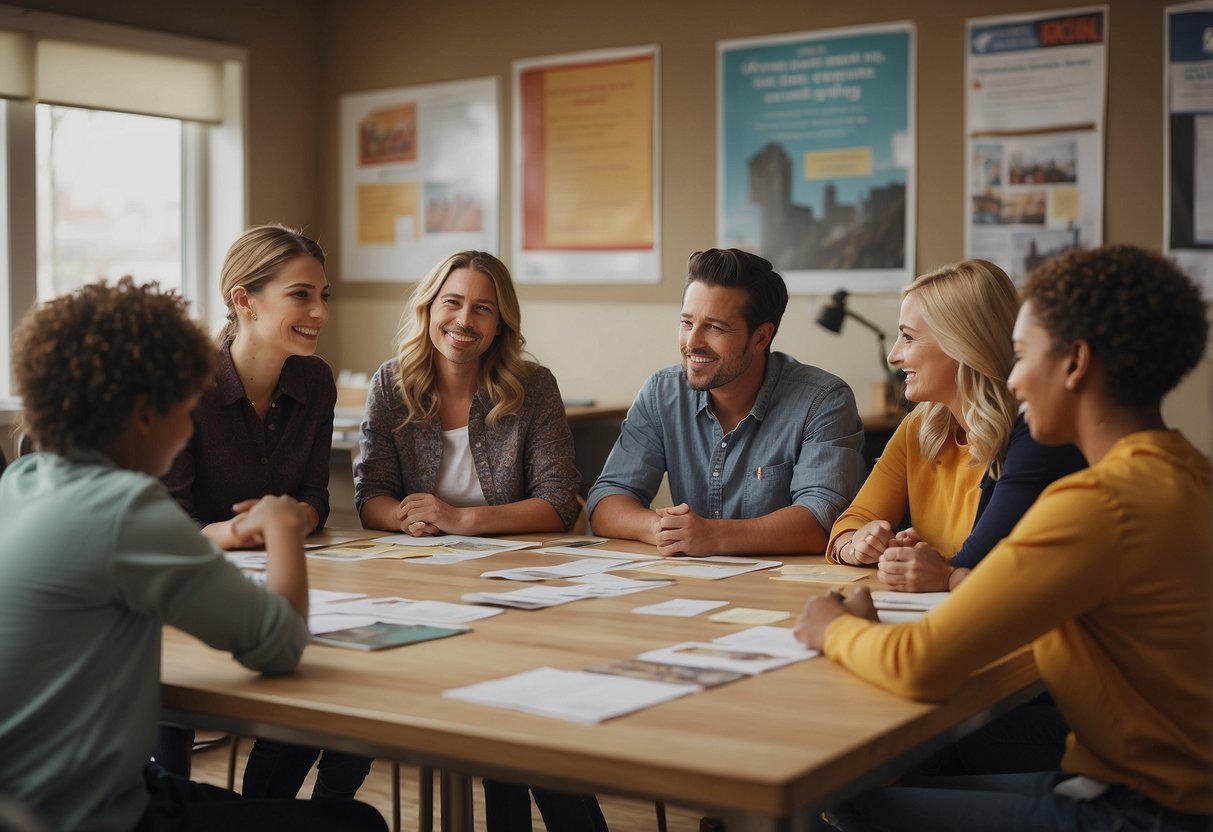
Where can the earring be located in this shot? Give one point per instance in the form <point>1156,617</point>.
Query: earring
<point>254,316</point>
<point>1069,381</point>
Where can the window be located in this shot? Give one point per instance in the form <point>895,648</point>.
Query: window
<point>109,198</point>
<point>122,151</point>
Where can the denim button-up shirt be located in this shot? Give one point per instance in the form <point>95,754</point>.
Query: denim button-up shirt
<point>799,446</point>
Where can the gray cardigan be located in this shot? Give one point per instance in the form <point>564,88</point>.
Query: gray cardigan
<point>526,455</point>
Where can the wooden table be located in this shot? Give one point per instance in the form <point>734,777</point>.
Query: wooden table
<point>761,753</point>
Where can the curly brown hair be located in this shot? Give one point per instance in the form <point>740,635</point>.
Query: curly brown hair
<point>1141,315</point>
<point>80,361</point>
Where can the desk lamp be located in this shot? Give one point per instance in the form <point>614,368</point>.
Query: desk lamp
<point>832,317</point>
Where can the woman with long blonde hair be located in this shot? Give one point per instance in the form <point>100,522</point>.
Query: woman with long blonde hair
<point>464,435</point>
<point>961,465</point>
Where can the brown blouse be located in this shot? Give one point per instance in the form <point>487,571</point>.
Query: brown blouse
<point>234,456</point>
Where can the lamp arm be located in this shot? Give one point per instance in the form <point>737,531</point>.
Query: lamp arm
<point>865,322</point>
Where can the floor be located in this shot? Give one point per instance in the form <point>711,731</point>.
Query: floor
<point>211,766</point>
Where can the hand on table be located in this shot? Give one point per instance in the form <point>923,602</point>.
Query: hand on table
<point>867,544</point>
<point>820,610</point>
<point>915,568</point>
<point>423,515</point>
<point>680,531</point>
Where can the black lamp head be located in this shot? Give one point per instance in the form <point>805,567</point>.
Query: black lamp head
<point>834,313</point>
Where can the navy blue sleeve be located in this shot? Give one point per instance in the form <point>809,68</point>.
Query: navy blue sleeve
<point>1028,469</point>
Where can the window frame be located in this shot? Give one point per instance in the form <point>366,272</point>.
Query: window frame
<point>214,177</point>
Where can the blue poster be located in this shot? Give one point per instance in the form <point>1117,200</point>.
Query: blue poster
<point>816,155</point>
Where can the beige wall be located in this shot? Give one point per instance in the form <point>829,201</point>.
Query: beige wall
<point>605,348</point>
<point>305,53</point>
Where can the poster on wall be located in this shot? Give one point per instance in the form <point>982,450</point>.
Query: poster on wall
<point>586,204</point>
<point>1188,183</point>
<point>815,155</point>
<point>420,172</point>
<point>1034,123</point>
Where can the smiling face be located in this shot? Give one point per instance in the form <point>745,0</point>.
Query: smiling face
<point>1038,381</point>
<point>716,346</point>
<point>930,372</point>
<point>464,318</point>
<point>291,308</point>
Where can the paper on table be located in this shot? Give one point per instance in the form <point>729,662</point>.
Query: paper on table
<point>595,553</point>
<point>326,622</point>
<point>606,586</point>
<point>328,596</point>
<point>779,640</point>
<point>409,611</point>
<point>712,569</point>
<point>914,601</point>
<point>364,550</point>
<point>898,616</point>
<point>684,607</point>
<point>573,695</point>
<point>459,543</point>
<point>829,573</point>
<point>721,657</point>
<point>531,598</point>
<point>746,615</point>
<point>572,569</point>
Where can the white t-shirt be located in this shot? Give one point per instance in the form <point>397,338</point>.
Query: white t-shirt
<point>457,482</point>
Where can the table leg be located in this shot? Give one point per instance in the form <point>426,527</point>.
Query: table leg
<point>456,797</point>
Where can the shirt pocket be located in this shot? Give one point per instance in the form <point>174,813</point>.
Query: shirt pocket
<point>767,488</point>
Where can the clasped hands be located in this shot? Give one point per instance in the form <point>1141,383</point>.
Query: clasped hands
<point>424,515</point>
<point>680,531</point>
<point>904,560</point>
<point>246,530</point>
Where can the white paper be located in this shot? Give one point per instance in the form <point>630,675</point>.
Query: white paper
<point>712,569</point>
<point>607,586</point>
<point>897,616</point>
<point>721,657</point>
<point>328,596</point>
<point>460,543</point>
<point>533,597</point>
<point>326,622</point>
<point>683,607</point>
<point>914,601</point>
<point>408,611</point>
<point>573,695</point>
<point>572,569</point>
<point>595,553</point>
<point>767,640</point>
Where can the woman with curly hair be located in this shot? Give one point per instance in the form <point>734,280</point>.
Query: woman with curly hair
<point>97,558</point>
<point>1109,575</point>
<point>464,435</point>
<point>962,466</point>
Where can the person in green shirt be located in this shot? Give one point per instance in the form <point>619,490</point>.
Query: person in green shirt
<point>97,557</point>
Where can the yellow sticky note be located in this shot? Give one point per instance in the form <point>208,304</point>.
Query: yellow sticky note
<point>745,615</point>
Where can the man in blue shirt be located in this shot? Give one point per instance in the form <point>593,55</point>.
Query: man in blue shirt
<point>762,452</point>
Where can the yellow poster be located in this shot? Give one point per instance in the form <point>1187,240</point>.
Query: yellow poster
<point>591,182</point>
<point>381,206</point>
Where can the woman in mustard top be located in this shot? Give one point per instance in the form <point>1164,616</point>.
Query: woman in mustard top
<point>1109,576</point>
<point>961,465</point>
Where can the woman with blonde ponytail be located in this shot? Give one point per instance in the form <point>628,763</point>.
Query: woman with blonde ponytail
<point>266,427</point>
<point>962,466</point>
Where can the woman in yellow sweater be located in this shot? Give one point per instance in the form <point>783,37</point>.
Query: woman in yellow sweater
<point>961,465</point>
<point>1109,575</point>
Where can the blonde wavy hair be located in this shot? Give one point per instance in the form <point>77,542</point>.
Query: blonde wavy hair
<point>504,370</point>
<point>970,308</point>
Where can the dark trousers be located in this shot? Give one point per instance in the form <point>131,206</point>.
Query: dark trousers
<point>1028,739</point>
<point>276,770</point>
<point>180,805</point>
<point>507,808</point>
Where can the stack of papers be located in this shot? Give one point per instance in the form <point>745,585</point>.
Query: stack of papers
<point>583,552</point>
<point>751,651</point>
<point>572,569</point>
<point>410,612</point>
<point>587,586</point>
<point>450,548</point>
<point>898,607</point>
<point>821,573</point>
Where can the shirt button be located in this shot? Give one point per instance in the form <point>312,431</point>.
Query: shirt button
<point>264,461</point>
<point>273,404</point>
<point>272,427</point>
<point>715,473</point>
<point>724,444</point>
